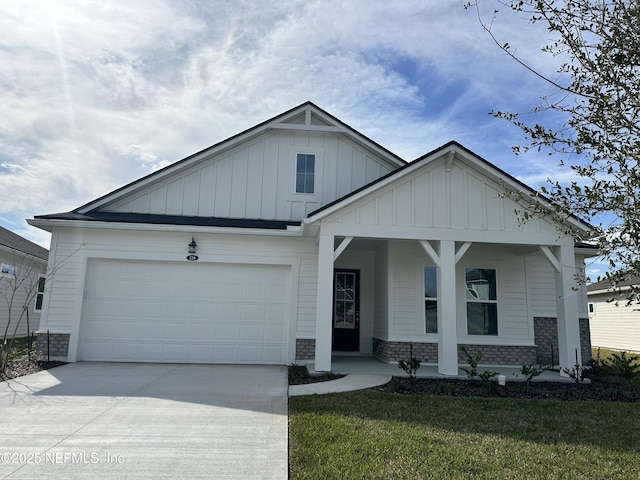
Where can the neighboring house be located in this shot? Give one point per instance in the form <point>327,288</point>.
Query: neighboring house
<point>301,238</point>
<point>615,323</point>
<point>23,266</point>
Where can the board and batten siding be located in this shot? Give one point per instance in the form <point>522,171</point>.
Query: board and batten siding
<point>614,324</point>
<point>432,197</point>
<point>257,179</point>
<point>74,247</point>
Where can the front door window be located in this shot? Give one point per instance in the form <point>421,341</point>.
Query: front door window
<point>345,302</point>
<point>346,311</point>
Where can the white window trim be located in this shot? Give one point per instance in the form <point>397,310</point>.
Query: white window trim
<point>425,298</point>
<point>39,293</point>
<point>420,325</point>
<point>317,178</point>
<point>315,169</point>
<point>466,301</point>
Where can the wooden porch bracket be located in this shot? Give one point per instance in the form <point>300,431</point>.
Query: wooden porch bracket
<point>546,251</point>
<point>344,244</point>
<point>429,250</point>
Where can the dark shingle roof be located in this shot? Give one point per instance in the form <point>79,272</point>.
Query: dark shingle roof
<point>171,220</point>
<point>16,242</point>
<point>606,284</point>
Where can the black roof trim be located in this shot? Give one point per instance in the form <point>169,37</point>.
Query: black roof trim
<point>171,220</point>
<point>244,132</point>
<point>589,246</point>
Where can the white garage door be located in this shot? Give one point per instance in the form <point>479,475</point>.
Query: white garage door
<point>137,311</point>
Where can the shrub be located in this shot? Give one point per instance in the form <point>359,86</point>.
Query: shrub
<point>472,372</point>
<point>531,371</point>
<point>411,366</point>
<point>624,367</point>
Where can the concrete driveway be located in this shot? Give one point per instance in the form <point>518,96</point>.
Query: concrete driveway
<point>124,420</point>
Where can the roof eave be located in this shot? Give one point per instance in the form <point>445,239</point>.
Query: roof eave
<point>231,142</point>
<point>48,224</point>
<point>7,248</point>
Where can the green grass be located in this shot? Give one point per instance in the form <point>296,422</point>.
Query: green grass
<point>374,435</point>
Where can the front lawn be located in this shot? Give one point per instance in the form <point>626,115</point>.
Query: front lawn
<point>372,434</point>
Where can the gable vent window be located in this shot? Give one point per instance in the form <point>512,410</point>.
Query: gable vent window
<point>305,172</point>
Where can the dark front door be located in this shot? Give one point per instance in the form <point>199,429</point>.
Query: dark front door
<point>346,310</point>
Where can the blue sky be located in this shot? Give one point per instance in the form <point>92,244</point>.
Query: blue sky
<point>95,94</point>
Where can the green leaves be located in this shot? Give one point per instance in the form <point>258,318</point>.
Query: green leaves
<point>595,94</point>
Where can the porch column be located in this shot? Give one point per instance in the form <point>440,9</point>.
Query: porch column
<point>447,324</point>
<point>324,308</point>
<point>567,308</point>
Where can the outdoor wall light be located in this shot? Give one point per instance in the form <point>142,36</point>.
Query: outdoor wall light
<point>193,245</point>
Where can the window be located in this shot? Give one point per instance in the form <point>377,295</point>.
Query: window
<point>305,172</point>
<point>482,301</point>
<point>7,270</point>
<point>430,300</point>
<point>592,308</point>
<point>40,294</point>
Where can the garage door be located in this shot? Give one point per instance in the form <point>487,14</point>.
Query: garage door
<point>184,312</point>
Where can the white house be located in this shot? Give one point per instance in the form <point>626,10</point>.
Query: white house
<point>615,322</point>
<point>301,238</point>
<point>23,265</point>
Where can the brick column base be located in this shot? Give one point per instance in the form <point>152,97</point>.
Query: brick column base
<point>305,348</point>
<point>58,344</point>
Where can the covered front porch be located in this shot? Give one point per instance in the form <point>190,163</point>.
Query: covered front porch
<point>436,299</point>
<point>450,264</point>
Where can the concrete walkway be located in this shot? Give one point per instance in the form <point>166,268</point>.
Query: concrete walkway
<point>349,383</point>
<point>111,420</point>
<point>367,372</point>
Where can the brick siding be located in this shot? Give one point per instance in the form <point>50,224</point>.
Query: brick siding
<point>58,344</point>
<point>544,352</point>
<point>305,348</point>
<point>498,354</point>
<point>546,335</point>
<point>395,351</point>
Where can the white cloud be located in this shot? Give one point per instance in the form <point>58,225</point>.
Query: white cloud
<point>96,94</point>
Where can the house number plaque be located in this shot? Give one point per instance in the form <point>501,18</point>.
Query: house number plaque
<point>192,258</point>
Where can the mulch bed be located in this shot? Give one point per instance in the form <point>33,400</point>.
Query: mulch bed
<point>304,380</point>
<point>594,391</point>
<point>18,368</point>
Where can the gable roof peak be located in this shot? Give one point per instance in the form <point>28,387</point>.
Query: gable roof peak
<point>314,119</point>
